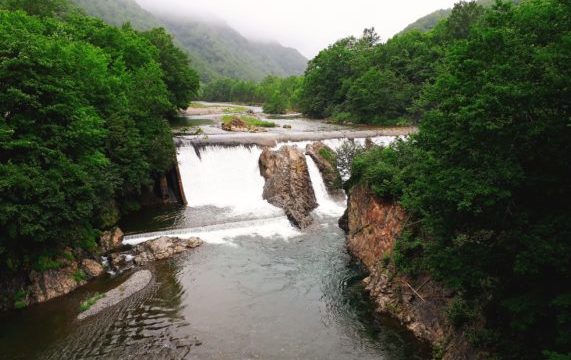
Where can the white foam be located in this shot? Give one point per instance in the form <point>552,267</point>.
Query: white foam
<point>225,177</point>
<point>327,205</point>
<point>278,227</point>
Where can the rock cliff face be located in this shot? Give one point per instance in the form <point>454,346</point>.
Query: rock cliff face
<point>325,159</point>
<point>47,285</point>
<point>288,184</point>
<point>373,226</point>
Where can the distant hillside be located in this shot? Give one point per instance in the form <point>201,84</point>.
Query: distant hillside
<point>216,49</point>
<point>429,21</point>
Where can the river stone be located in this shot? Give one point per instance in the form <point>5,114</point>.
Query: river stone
<point>92,268</point>
<point>137,282</point>
<point>288,184</point>
<point>111,240</point>
<point>162,248</point>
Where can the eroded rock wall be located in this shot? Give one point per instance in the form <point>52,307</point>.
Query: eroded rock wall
<point>373,226</point>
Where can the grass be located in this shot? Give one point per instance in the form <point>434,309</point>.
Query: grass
<point>89,302</point>
<point>328,155</point>
<point>45,263</point>
<point>20,299</point>
<point>249,120</point>
<point>79,276</point>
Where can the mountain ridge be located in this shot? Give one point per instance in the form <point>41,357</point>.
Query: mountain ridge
<point>216,50</point>
<point>430,20</point>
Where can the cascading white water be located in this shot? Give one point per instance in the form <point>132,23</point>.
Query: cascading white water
<point>224,187</point>
<point>327,205</point>
<point>225,177</point>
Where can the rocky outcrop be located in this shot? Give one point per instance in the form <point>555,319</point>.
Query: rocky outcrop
<point>325,159</point>
<point>162,248</point>
<point>236,124</point>
<point>49,284</point>
<point>77,270</point>
<point>373,225</point>
<point>288,184</point>
<point>419,303</point>
<point>111,240</point>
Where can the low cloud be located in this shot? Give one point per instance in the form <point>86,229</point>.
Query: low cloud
<point>307,25</point>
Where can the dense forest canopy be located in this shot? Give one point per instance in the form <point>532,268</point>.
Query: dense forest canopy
<point>217,51</point>
<point>278,95</point>
<point>83,126</point>
<point>486,179</point>
<point>428,22</point>
<point>366,81</point>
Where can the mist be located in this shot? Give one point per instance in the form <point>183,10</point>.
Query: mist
<point>307,25</point>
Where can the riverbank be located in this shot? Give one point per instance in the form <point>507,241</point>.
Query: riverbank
<point>419,303</point>
<point>261,288</point>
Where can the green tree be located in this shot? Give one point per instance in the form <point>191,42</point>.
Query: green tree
<point>486,178</point>
<point>181,81</point>
<point>378,96</point>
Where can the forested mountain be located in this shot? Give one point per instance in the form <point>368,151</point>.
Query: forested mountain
<point>429,21</point>
<point>216,50</point>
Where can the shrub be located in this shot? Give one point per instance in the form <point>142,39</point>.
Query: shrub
<point>89,302</point>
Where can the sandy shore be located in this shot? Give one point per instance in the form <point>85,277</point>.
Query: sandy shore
<point>138,281</point>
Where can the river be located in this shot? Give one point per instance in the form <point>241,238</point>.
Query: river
<point>257,289</point>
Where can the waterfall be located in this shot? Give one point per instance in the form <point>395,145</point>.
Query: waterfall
<point>227,178</point>
<point>224,187</point>
<point>224,190</point>
<point>327,205</point>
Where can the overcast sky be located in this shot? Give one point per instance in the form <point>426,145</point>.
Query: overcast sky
<point>307,25</point>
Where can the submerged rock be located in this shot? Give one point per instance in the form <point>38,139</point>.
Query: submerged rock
<point>326,160</point>
<point>162,248</point>
<point>288,184</point>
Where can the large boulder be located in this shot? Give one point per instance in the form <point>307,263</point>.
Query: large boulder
<point>288,184</point>
<point>326,160</point>
<point>162,248</point>
<point>92,268</point>
<point>111,240</point>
